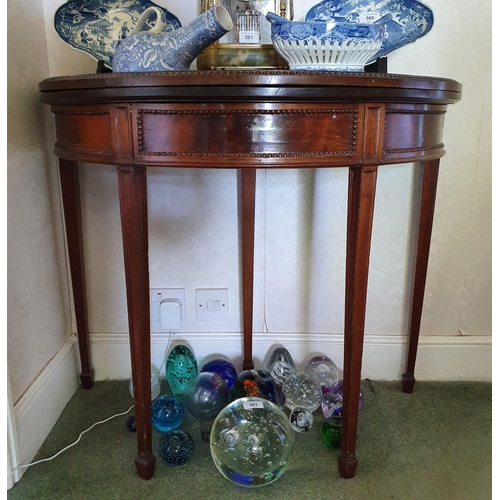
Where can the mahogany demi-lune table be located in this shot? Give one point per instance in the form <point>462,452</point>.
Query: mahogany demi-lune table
<point>247,120</point>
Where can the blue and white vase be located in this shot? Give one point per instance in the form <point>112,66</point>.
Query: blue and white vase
<point>175,51</point>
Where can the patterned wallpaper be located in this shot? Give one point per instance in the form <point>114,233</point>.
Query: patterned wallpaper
<point>300,215</point>
<point>37,300</point>
<point>300,218</point>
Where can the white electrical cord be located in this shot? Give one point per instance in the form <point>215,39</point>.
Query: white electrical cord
<point>91,427</point>
<point>166,350</point>
<point>69,446</point>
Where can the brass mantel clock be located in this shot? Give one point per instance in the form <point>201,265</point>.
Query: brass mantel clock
<point>248,45</point>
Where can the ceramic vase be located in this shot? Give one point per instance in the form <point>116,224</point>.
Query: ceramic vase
<point>155,50</point>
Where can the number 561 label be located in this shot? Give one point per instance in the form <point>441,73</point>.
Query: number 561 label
<point>249,37</point>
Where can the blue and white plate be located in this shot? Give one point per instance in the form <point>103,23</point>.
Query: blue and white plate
<point>405,20</point>
<point>96,26</point>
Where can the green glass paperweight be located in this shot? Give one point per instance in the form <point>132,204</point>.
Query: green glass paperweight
<point>331,431</point>
<point>181,367</point>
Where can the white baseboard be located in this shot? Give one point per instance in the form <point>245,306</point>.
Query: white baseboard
<point>40,406</point>
<point>443,358</point>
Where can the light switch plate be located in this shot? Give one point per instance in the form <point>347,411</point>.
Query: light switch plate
<point>212,303</point>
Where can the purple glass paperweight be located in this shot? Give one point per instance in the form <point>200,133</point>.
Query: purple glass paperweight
<point>331,404</point>
<point>336,399</point>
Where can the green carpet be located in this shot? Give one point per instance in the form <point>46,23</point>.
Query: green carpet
<point>432,444</point>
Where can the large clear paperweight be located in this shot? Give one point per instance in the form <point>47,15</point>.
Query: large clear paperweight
<point>251,442</point>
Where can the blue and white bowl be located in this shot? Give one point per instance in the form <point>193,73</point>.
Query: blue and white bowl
<point>325,46</point>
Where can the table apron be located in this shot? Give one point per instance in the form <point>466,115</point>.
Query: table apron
<point>237,135</point>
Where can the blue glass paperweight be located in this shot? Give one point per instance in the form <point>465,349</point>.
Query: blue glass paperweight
<point>176,447</point>
<point>131,424</point>
<point>167,413</point>
<point>224,368</point>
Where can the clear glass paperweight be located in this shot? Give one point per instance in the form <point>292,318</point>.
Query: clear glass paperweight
<point>324,370</point>
<point>205,395</point>
<point>251,442</point>
<point>281,365</point>
<point>301,420</point>
<point>155,384</point>
<point>302,391</point>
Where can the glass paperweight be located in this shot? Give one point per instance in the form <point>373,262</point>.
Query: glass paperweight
<point>331,431</point>
<point>302,391</point>
<point>205,435</point>
<point>256,383</point>
<point>176,447</point>
<point>251,442</point>
<point>181,367</point>
<point>324,370</point>
<point>337,389</point>
<point>301,420</point>
<point>155,384</point>
<point>224,368</point>
<point>167,413</point>
<point>131,424</point>
<point>331,404</point>
<point>281,365</point>
<point>205,395</point>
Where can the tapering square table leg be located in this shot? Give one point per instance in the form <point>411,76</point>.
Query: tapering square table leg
<point>361,197</point>
<point>428,200</point>
<point>70,193</point>
<point>248,176</point>
<point>134,216</point>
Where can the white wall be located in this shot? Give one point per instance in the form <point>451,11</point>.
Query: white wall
<point>40,351</point>
<point>300,216</point>
<point>38,303</point>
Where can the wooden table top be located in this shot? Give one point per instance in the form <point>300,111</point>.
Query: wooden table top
<point>272,85</point>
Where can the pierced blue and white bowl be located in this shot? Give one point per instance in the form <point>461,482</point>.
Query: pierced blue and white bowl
<point>325,45</point>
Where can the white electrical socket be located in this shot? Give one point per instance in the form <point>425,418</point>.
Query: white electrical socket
<point>212,303</point>
<point>156,295</point>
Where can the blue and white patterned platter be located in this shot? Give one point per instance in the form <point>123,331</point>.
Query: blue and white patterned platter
<point>96,26</point>
<point>405,20</point>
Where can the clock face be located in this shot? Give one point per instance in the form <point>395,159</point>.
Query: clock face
<point>235,7</point>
